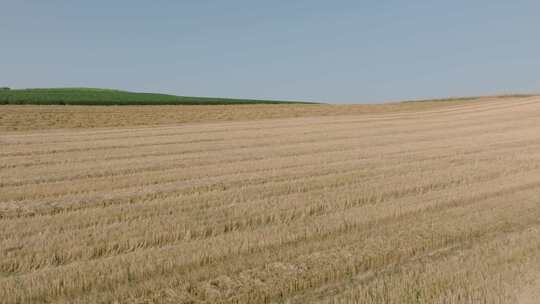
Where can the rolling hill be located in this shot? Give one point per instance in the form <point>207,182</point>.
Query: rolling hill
<point>93,96</point>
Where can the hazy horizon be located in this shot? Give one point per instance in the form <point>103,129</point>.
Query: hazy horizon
<point>295,50</point>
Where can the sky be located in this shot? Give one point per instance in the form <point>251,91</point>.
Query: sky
<point>326,51</point>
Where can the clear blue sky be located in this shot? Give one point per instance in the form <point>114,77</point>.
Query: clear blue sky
<point>334,51</point>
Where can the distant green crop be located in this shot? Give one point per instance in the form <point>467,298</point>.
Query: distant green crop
<point>91,96</point>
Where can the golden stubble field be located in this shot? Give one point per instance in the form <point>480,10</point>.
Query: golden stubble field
<point>432,203</point>
<point>24,117</point>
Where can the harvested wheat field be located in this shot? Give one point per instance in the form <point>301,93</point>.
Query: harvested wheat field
<point>434,204</point>
<point>32,117</point>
